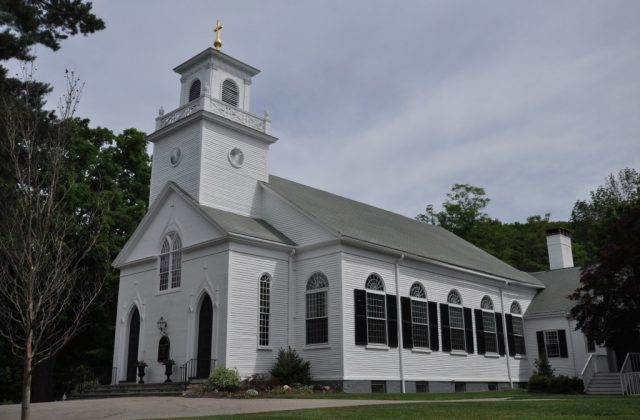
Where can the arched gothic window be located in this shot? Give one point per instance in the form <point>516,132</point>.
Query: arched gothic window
<point>456,321</point>
<point>317,320</point>
<point>518,328</point>
<point>230,92</point>
<point>164,349</point>
<point>490,334</point>
<point>265,309</point>
<point>170,261</point>
<point>194,90</point>
<point>419,316</point>
<point>376,310</point>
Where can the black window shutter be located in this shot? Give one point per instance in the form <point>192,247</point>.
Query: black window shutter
<point>562,340</point>
<point>433,326</point>
<point>501,348</point>
<point>392,320</point>
<point>407,328</point>
<point>468,329</point>
<point>479,331</point>
<point>540,337</point>
<point>510,339</point>
<point>360,299</point>
<point>444,322</point>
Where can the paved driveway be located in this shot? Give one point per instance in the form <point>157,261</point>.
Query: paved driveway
<point>162,407</point>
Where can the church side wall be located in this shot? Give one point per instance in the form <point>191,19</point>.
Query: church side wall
<point>186,173</point>
<point>223,186</point>
<point>203,271</point>
<point>291,222</point>
<point>326,360</point>
<point>369,363</point>
<point>247,264</point>
<point>576,344</point>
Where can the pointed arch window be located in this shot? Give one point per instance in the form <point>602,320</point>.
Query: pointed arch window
<point>194,90</point>
<point>164,349</point>
<point>170,262</point>
<point>419,316</point>
<point>230,92</point>
<point>265,310</point>
<point>517,327</point>
<point>376,310</point>
<point>317,320</point>
<point>456,321</point>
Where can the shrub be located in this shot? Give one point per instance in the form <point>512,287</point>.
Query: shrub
<point>223,379</point>
<point>291,368</point>
<point>555,384</point>
<point>543,367</point>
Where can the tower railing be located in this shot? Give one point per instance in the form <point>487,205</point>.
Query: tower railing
<point>217,107</point>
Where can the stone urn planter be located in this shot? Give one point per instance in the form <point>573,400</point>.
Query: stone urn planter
<point>168,369</point>
<point>141,366</point>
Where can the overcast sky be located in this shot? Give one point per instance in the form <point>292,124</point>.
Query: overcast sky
<point>392,102</point>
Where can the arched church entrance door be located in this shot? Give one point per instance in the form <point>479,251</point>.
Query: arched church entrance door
<point>132,352</point>
<point>205,324</point>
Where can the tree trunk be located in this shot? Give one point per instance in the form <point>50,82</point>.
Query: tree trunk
<point>26,378</point>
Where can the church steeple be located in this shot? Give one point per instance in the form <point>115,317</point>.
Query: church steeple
<point>212,145</point>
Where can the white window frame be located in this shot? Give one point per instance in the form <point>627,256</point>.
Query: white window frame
<point>382,293</point>
<point>451,328</point>
<point>548,344</point>
<point>173,266</point>
<point>516,314</point>
<point>267,312</point>
<point>312,290</point>
<point>486,305</point>
<point>422,299</point>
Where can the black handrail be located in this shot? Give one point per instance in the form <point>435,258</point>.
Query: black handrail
<point>189,370</point>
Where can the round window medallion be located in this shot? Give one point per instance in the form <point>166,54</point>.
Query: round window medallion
<point>236,157</point>
<point>176,155</point>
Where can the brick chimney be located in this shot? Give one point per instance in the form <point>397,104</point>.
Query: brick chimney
<point>559,248</point>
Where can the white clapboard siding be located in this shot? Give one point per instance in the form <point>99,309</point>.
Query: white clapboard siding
<point>326,360</point>
<point>224,186</point>
<point>242,324</point>
<point>187,173</point>
<point>139,285</point>
<point>299,228</point>
<point>174,214</point>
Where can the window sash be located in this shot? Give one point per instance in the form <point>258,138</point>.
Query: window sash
<point>518,334</point>
<point>420,323</point>
<point>456,328</point>
<point>376,318</point>
<point>264,311</point>
<point>317,321</point>
<point>552,343</point>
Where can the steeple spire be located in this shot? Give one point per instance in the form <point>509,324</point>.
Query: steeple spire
<point>217,44</point>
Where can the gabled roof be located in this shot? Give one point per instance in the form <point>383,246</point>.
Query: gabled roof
<point>352,219</point>
<point>228,223</point>
<point>560,284</point>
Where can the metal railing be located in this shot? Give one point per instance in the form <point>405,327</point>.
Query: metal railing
<point>196,369</point>
<point>97,376</point>
<point>217,107</point>
<point>595,363</point>
<point>630,374</point>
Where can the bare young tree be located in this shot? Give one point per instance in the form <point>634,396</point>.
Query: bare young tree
<point>43,293</point>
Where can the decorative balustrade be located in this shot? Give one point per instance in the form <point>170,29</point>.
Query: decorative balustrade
<point>216,107</point>
<point>630,374</point>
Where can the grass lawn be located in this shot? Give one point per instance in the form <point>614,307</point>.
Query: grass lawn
<point>521,406</point>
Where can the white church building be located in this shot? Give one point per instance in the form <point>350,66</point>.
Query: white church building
<point>232,263</point>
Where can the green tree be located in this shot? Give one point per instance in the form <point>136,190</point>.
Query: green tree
<point>461,211</point>
<point>590,219</point>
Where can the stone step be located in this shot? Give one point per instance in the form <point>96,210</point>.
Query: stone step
<point>618,392</point>
<point>91,395</point>
<point>130,390</point>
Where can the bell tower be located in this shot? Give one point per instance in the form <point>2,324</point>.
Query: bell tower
<point>211,145</point>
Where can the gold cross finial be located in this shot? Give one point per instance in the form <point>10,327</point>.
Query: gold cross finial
<point>218,29</point>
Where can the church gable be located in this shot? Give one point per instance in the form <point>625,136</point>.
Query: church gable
<point>173,211</point>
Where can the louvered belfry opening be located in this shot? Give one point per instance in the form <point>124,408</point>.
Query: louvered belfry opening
<point>194,90</point>
<point>230,92</point>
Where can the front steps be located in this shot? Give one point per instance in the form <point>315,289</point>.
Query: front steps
<point>605,384</point>
<point>131,390</point>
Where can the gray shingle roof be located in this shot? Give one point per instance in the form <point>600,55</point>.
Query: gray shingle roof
<point>363,222</point>
<point>560,284</point>
<point>246,226</point>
